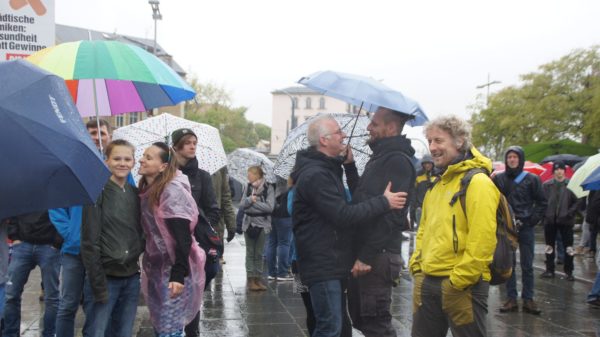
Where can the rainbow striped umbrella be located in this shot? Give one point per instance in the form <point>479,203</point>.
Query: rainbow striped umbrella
<point>109,78</point>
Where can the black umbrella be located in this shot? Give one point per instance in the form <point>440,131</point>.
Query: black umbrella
<point>569,159</point>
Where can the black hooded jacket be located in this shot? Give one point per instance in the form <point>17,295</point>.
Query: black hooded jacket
<point>323,219</point>
<point>203,192</point>
<point>390,162</point>
<point>527,199</point>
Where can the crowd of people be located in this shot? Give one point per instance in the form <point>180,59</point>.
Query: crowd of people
<point>336,234</point>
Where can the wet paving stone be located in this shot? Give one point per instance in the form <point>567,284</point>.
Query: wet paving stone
<point>229,309</point>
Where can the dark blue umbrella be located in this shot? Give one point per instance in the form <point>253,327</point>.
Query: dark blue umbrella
<point>592,182</point>
<point>48,158</point>
<point>364,92</point>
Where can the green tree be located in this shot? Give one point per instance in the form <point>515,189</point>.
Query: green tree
<point>561,100</point>
<point>213,107</point>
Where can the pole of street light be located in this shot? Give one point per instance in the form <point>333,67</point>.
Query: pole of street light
<point>293,121</point>
<point>156,15</point>
<point>488,84</point>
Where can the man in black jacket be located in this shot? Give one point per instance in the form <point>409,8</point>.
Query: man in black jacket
<point>526,197</point>
<point>184,144</point>
<point>559,218</point>
<point>323,220</point>
<point>378,241</point>
<point>35,243</point>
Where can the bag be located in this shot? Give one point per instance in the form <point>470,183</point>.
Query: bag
<point>253,232</point>
<point>209,240</point>
<point>281,206</point>
<point>501,267</point>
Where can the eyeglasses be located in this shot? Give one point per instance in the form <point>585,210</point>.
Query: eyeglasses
<point>338,132</point>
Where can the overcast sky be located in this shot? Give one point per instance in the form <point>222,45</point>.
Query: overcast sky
<point>436,52</point>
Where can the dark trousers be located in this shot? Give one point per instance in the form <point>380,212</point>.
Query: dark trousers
<point>566,233</point>
<point>211,268</point>
<point>438,306</point>
<point>370,296</point>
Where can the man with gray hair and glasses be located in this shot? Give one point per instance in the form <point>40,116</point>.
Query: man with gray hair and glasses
<point>324,218</point>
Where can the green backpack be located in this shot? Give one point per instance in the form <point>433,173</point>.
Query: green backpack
<point>501,267</point>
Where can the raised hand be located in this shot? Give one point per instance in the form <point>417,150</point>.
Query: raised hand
<point>396,200</point>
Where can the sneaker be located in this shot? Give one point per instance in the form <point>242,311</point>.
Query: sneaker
<point>594,303</point>
<point>570,277</point>
<point>510,306</point>
<point>547,274</point>
<point>530,307</point>
<point>271,278</point>
<point>285,278</point>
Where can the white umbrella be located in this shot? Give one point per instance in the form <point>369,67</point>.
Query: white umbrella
<point>210,153</point>
<point>296,141</point>
<point>241,159</point>
<point>583,172</point>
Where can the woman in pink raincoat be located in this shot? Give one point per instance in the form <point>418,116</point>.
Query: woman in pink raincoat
<point>173,263</point>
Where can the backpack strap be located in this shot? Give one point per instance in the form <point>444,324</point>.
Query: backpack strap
<point>520,177</point>
<point>464,184</point>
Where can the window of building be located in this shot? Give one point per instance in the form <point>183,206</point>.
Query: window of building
<point>348,107</point>
<point>295,102</point>
<point>308,103</point>
<point>133,117</point>
<point>119,120</point>
<point>322,103</point>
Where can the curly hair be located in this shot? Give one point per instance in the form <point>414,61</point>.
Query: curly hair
<point>458,128</point>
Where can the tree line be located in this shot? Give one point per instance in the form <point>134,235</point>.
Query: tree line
<point>213,106</point>
<point>561,100</point>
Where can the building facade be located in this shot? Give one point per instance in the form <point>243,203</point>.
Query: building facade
<point>303,103</point>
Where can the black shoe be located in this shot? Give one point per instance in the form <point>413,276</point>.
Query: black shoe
<point>559,262</point>
<point>530,307</point>
<point>570,277</point>
<point>547,274</point>
<point>510,306</point>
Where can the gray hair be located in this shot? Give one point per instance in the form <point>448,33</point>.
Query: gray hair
<point>458,128</point>
<point>317,129</point>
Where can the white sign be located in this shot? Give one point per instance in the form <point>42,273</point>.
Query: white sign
<point>26,26</point>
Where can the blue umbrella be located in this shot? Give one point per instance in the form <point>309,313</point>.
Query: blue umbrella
<point>365,92</point>
<point>592,182</point>
<point>48,158</point>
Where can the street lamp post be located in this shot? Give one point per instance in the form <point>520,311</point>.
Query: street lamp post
<point>156,15</point>
<point>293,121</point>
<point>488,84</point>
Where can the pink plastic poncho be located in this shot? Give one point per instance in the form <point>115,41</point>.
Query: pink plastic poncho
<point>170,314</point>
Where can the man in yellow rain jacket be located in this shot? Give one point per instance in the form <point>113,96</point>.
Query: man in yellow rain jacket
<point>453,251</point>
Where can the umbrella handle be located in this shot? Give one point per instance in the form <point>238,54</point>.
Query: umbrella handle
<point>355,121</point>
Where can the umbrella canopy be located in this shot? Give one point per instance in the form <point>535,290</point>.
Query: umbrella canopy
<point>569,159</point>
<point>296,141</point>
<point>210,153</point>
<point>48,158</point>
<point>108,77</point>
<point>581,174</point>
<point>240,160</point>
<point>548,174</point>
<point>538,151</point>
<point>364,91</point>
<point>592,182</point>
<point>530,167</point>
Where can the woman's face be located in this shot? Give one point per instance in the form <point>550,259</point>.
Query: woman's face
<point>120,162</point>
<point>151,165</point>
<point>252,177</point>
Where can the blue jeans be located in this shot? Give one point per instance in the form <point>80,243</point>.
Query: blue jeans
<point>278,249</point>
<point>595,292</point>
<point>116,317</point>
<point>526,249</point>
<point>326,299</point>
<point>71,288</point>
<point>25,257</point>
<point>2,294</point>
